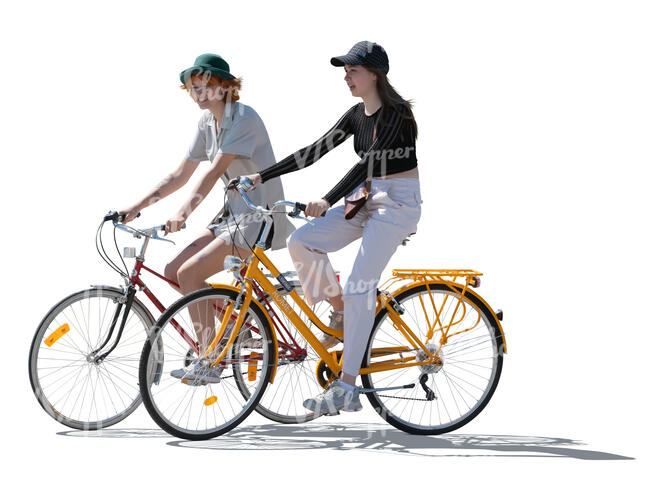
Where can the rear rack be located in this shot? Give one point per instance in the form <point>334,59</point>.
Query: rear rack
<point>438,275</point>
<point>448,277</point>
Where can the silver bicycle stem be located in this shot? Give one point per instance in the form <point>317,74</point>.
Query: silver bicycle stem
<point>246,183</point>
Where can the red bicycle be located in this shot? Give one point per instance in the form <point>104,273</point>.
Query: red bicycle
<point>83,360</point>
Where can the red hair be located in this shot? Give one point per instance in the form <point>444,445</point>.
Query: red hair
<point>232,86</point>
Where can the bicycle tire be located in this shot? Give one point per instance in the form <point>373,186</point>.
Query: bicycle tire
<point>113,385</point>
<point>379,400</point>
<point>153,396</point>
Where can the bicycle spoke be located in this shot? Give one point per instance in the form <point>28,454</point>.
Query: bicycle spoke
<point>70,385</point>
<point>466,367</point>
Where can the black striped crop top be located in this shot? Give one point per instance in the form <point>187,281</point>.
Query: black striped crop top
<point>392,151</point>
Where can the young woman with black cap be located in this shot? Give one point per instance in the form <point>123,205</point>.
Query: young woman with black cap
<point>233,137</point>
<point>384,133</point>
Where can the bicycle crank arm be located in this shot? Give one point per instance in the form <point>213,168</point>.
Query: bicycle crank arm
<point>375,389</point>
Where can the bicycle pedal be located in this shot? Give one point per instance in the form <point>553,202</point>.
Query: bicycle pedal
<point>193,382</point>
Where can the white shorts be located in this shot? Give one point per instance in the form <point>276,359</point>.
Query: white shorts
<point>245,229</point>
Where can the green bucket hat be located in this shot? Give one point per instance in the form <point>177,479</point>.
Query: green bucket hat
<point>212,63</point>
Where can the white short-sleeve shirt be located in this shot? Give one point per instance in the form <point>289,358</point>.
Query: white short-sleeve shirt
<point>242,133</point>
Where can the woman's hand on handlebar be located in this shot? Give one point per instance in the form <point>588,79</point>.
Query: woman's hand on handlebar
<point>316,208</point>
<point>129,214</point>
<point>255,178</point>
<point>175,223</point>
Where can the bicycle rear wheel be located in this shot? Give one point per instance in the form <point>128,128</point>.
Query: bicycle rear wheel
<point>203,411</point>
<point>471,362</point>
<point>72,388</point>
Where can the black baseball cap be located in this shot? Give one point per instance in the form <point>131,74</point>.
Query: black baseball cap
<point>364,53</point>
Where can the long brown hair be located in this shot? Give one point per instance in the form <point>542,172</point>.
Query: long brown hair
<point>391,98</point>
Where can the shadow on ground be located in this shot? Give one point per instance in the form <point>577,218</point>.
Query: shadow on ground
<point>376,438</point>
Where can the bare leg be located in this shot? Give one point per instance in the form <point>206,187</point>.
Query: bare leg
<point>171,270</point>
<point>192,275</point>
<point>337,302</point>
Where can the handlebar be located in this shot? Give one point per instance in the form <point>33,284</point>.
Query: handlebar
<point>151,232</point>
<point>244,183</point>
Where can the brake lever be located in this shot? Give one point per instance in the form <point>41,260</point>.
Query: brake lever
<point>154,233</point>
<point>131,230</point>
<point>298,216</point>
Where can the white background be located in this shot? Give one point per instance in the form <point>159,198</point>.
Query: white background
<point>533,155</point>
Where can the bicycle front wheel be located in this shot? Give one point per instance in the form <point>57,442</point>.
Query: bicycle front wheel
<point>69,384</point>
<point>199,410</point>
<point>461,387</point>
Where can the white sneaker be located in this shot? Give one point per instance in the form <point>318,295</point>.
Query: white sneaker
<point>248,341</point>
<point>199,373</point>
<point>336,323</point>
<point>333,400</point>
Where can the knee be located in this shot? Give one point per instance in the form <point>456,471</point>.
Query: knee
<point>185,275</point>
<point>295,243</point>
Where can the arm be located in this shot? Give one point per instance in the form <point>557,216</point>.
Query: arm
<point>170,184</point>
<point>304,157</point>
<point>364,168</point>
<point>202,189</point>
<point>240,141</point>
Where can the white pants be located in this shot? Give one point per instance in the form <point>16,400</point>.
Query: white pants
<point>390,214</point>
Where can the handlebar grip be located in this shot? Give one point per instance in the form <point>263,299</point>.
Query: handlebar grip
<point>115,216</point>
<point>120,217</point>
<point>302,207</point>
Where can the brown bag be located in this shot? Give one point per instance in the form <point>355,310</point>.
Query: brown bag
<point>356,200</point>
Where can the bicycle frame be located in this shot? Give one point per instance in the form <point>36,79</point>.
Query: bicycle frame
<point>136,282</point>
<point>385,300</point>
<point>291,349</point>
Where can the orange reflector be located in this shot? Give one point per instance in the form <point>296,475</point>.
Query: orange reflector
<point>210,401</point>
<point>57,334</point>
<point>252,366</point>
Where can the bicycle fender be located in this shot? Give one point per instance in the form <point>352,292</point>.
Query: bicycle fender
<point>266,314</point>
<point>459,287</point>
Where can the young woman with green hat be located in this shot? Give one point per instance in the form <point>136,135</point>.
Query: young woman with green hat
<point>233,137</point>
<point>384,133</point>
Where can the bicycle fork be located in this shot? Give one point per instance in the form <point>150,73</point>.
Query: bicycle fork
<point>98,359</point>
